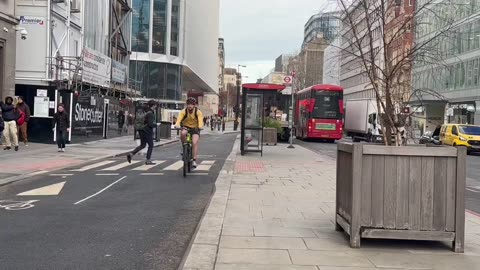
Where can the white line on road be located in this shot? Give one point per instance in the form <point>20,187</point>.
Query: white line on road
<point>61,174</point>
<point>203,167</point>
<point>148,167</point>
<point>93,166</point>
<point>121,165</point>
<point>175,166</point>
<point>473,190</point>
<point>151,174</point>
<point>37,173</point>
<point>198,174</point>
<point>208,162</point>
<point>107,174</point>
<point>107,187</point>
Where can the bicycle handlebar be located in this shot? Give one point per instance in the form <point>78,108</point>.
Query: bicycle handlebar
<point>187,128</point>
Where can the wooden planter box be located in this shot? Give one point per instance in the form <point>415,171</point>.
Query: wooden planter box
<point>270,136</point>
<point>411,192</point>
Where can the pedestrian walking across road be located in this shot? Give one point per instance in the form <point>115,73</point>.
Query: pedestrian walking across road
<point>144,124</point>
<point>10,117</point>
<point>61,124</point>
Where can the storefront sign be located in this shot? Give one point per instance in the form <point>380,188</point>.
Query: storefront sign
<point>87,118</point>
<point>96,68</point>
<point>119,72</point>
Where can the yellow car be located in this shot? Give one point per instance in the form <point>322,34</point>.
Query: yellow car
<point>461,135</point>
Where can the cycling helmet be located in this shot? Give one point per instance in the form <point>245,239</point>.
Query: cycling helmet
<point>191,100</point>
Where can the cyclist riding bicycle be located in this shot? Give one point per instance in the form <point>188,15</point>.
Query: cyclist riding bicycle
<point>191,119</point>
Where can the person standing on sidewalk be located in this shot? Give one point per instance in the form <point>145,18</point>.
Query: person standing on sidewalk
<point>145,123</point>
<point>61,121</point>
<point>23,128</point>
<point>121,121</point>
<point>10,117</point>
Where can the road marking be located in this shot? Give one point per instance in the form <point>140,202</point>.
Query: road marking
<point>37,173</point>
<point>175,166</point>
<point>107,174</point>
<point>107,187</point>
<point>473,190</point>
<point>93,166</point>
<point>198,174</point>
<point>61,174</point>
<point>208,162</point>
<point>49,190</point>
<point>151,174</point>
<point>121,165</point>
<point>16,205</point>
<point>148,167</point>
<point>203,167</point>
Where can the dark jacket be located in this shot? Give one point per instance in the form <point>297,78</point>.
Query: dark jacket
<point>149,121</point>
<point>2,124</point>
<point>8,111</point>
<point>25,109</point>
<point>61,120</point>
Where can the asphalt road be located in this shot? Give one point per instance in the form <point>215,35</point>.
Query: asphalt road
<point>473,171</point>
<point>109,217</point>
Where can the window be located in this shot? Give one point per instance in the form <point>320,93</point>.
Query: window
<point>159,26</point>
<point>140,25</point>
<point>454,130</point>
<point>174,40</point>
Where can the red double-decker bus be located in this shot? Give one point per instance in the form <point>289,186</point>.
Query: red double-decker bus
<point>319,112</point>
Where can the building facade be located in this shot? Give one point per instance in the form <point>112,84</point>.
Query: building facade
<point>313,58</point>
<point>228,97</point>
<point>281,63</point>
<point>324,24</point>
<point>353,77</point>
<point>331,63</point>
<point>168,62</point>
<point>8,40</point>
<point>455,78</point>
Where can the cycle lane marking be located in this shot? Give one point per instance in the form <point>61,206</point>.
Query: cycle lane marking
<point>99,192</point>
<point>175,166</point>
<point>50,190</point>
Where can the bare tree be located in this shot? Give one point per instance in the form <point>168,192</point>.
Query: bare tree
<point>383,38</point>
<point>297,64</point>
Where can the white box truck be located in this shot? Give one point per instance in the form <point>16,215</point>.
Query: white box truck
<point>361,120</point>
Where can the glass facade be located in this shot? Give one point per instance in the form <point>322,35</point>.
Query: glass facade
<point>327,24</point>
<point>159,26</point>
<point>175,27</point>
<point>141,25</point>
<point>96,27</point>
<point>157,80</point>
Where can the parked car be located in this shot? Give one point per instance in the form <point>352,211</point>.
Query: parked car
<point>461,135</point>
<point>430,137</point>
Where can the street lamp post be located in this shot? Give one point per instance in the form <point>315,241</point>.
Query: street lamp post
<point>237,107</point>
<point>291,111</point>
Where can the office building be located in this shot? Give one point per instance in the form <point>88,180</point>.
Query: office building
<point>175,49</point>
<point>324,24</point>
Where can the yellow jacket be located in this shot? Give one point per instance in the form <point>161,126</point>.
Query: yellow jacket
<point>190,121</point>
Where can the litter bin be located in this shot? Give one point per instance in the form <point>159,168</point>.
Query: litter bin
<point>165,130</point>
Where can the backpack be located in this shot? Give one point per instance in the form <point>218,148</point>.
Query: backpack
<point>140,120</point>
<point>186,115</point>
<point>21,118</point>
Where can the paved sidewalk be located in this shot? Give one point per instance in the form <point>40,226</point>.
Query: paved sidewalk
<point>277,212</point>
<point>43,158</point>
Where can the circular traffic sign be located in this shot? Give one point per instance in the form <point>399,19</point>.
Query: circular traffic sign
<point>287,79</point>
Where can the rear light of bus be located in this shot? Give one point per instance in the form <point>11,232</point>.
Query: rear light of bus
<point>310,125</point>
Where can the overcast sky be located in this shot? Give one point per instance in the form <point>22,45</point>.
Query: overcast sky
<point>258,31</point>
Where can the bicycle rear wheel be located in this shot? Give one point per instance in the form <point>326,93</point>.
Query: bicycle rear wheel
<point>190,158</point>
<point>186,157</point>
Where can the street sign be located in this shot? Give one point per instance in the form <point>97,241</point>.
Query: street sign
<point>287,80</point>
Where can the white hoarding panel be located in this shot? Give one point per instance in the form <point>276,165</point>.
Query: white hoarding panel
<point>96,68</point>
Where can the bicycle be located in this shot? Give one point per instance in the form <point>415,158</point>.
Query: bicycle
<point>187,152</point>
<point>16,205</point>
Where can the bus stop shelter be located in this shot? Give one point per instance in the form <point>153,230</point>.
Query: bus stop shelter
<point>254,110</point>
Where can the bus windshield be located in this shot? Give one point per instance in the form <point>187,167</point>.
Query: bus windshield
<point>327,105</point>
<point>470,130</point>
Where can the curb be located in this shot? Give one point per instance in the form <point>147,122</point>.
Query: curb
<point>195,255</point>
<point>13,179</point>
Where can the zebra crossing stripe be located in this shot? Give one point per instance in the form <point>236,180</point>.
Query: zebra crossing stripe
<point>148,167</point>
<point>203,167</point>
<point>93,166</point>
<point>208,162</point>
<point>121,165</point>
<point>175,166</point>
